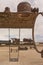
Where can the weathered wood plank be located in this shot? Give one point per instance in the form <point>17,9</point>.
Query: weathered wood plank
<point>17,20</point>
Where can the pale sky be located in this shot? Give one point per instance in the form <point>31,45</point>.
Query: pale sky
<point>25,33</point>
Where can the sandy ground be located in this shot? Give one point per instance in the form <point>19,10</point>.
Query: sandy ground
<point>29,57</point>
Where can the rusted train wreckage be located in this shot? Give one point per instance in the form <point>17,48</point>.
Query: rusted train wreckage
<point>24,18</point>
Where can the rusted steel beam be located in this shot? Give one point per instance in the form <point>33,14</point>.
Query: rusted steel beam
<point>17,20</point>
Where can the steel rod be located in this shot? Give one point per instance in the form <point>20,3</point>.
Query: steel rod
<point>34,41</point>
<point>9,42</point>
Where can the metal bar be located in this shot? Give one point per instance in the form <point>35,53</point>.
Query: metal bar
<point>9,42</point>
<point>19,43</point>
<point>34,41</point>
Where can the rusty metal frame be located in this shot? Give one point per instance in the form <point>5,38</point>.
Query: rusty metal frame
<point>19,20</point>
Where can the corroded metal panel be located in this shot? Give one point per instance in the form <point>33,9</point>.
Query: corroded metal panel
<point>24,6</point>
<point>17,20</point>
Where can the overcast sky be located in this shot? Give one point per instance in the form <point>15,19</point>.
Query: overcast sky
<point>24,33</point>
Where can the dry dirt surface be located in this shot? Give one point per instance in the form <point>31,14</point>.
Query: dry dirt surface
<point>28,57</point>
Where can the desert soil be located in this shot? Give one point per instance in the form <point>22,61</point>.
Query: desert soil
<point>28,57</point>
